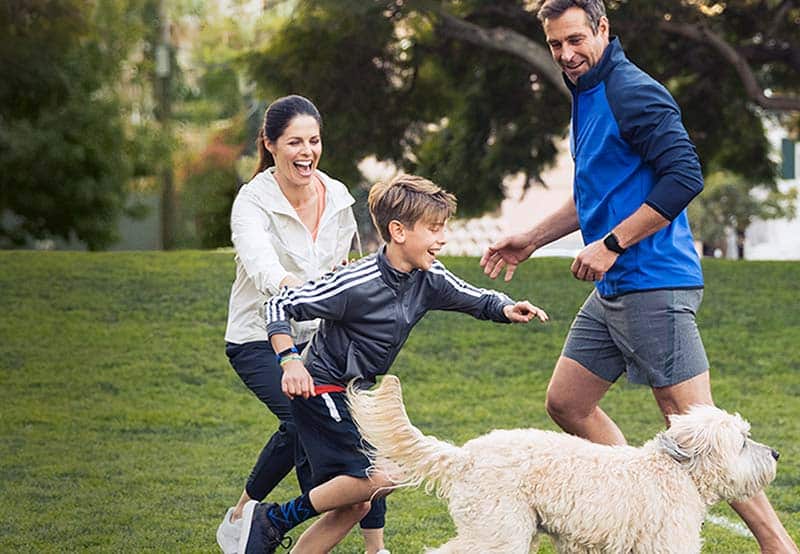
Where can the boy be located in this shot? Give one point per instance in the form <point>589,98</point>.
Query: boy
<point>368,310</point>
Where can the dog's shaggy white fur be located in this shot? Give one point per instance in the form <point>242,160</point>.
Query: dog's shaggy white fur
<point>506,487</point>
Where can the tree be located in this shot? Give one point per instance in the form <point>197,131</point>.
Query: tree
<point>466,92</point>
<point>64,149</point>
<point>210,186</point>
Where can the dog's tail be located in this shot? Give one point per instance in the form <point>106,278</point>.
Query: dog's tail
<point>395,446</point>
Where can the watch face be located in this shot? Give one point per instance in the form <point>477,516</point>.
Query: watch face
<point>612,244</point>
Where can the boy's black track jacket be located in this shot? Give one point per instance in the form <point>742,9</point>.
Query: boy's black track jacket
<point>368,309</point>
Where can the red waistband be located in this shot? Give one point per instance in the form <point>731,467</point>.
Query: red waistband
<point>322,389</point>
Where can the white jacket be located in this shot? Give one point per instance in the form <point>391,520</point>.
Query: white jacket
<point>271,242</point>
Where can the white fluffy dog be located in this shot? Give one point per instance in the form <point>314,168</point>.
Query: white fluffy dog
<point>506,487</point>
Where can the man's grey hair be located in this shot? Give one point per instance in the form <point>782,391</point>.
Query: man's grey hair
<point>553,9</point>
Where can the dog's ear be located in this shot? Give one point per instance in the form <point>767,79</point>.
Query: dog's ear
<point>671,448</point>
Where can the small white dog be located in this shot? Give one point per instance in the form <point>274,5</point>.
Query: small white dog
<point>506,487</point>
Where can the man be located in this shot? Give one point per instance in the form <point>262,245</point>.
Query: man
<point>636,170</point>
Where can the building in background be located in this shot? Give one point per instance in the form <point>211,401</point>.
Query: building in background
<point>778,239</point>
<point>521,210</point>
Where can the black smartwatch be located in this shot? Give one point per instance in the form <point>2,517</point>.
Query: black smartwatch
<point>291,350</point>
<point>612,243</point>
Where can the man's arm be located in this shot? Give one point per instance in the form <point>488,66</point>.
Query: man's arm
<point>511,251</point>
<point>658,135</point>
<point>592,263</point>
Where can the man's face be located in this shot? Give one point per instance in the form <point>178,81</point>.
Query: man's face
<point>573,44</point>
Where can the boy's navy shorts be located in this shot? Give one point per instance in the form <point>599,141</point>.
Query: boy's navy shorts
<point>329,436</point>
<point>333,445</point>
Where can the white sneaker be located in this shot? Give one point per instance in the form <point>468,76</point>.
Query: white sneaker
<point>228,534</point>
<point>381,551</point>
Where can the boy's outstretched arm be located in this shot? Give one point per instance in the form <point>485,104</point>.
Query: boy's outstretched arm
<point>523,312</point>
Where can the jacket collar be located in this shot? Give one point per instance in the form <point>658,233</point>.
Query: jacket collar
<point>336,197</point>
<point>395,278</point>
<point>612,56</point>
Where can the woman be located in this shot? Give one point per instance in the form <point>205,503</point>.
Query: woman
<point>289,224</point>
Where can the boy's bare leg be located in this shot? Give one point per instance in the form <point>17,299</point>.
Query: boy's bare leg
<point>373,540</point>
<point>330,529</point>
<point>347,499</point>
<point>343,490</point>
<point>756,512</point>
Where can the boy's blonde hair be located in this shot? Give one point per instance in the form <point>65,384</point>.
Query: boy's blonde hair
<point>408,199</point>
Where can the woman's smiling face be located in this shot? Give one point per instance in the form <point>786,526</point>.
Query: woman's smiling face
<point>297,151</point>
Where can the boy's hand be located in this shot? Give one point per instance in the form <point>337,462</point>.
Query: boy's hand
<point>523,312</point>
<point>296,380</point>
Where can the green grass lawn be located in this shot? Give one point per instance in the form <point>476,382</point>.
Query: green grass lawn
<point>124,429</point>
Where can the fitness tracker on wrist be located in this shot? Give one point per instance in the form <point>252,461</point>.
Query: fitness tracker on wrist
<point>291,350</point>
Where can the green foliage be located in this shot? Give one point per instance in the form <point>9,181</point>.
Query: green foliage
<point>344,57</point>
<point>78,96</point>
<point>124,429</point>
<point>388,85</point>
<point>392,80</point>
<point>495,126</point>
<point>209,189</point>
<point>63,143</point>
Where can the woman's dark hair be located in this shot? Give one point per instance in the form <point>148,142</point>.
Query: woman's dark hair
<point>277,117</point>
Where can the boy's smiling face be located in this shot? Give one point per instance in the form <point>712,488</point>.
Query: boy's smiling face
<point>416,247</point>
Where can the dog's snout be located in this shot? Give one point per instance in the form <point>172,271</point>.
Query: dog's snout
<point>775,454</point>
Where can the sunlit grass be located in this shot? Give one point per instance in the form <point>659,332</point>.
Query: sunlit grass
<point>124,429</point>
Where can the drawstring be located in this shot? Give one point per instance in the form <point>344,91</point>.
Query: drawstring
<point>358,242</point>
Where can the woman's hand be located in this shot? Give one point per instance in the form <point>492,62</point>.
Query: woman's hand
<point>290,281</point>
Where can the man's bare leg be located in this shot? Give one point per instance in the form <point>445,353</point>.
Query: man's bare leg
<point>572,402</point>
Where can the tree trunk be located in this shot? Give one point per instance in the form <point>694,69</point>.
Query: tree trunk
<point>164,116</point>
<point>740,244</point>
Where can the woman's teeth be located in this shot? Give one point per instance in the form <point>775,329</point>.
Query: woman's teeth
<point>303,167</point>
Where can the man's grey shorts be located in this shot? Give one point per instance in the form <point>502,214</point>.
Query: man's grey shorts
<point>652,335</point>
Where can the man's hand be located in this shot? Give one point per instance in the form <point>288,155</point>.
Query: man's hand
<point>296,380</point>
<point>592,263</point>
<point>523,312</point>
<point>509,253</point>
